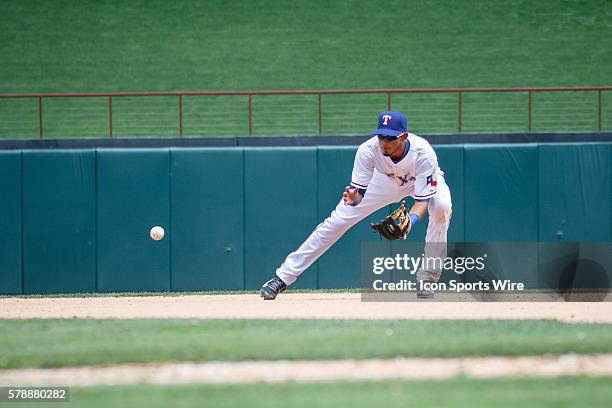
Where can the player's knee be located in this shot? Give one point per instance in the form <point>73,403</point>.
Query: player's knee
<point>342,220</point>
<point>441,212</point>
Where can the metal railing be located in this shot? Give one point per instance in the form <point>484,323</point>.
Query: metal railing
<point>319,93</point>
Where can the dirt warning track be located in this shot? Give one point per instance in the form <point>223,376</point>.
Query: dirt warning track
<point>294,306</point>
<point>305,371</point>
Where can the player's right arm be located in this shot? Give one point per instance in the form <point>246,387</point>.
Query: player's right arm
<point>363,169</point>
<point>352,196</point>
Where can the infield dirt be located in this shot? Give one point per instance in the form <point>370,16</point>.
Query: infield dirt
<point>295,306</point>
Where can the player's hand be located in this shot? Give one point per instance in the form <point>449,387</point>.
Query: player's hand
<point>351,195</point>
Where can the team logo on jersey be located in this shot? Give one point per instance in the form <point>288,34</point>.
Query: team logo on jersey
<point>431,181</point>
<point>404,180</point>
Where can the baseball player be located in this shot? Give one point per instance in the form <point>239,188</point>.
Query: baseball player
<point>388,167</point>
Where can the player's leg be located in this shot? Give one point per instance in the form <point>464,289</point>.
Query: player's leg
<point>440,211</point>
<point>381,191</point>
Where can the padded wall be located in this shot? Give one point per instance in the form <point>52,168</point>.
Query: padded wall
<point>232,215</point>
<point>207,201</point>
<point>10,223</point>
<point>575,197</point>
<point>280,198</point>
<point>59,213</point>
<point>133,196</point>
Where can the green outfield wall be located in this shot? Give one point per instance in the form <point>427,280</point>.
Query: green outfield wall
<point>79,220</point>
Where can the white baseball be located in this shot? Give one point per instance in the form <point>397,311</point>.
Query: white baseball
<point>157,233</point>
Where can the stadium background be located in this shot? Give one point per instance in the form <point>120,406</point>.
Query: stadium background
<point>260,45</point>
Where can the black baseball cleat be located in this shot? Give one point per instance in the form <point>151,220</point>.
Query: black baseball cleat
<point>425,293</point>
<point>272,288</point>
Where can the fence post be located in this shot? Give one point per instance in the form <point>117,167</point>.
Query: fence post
<point>460,109</point>
<point>529,111</point>
<point>180,101</point>
<point>40,116</point>
<point>599,110</point>
<point>389,101</point>
<point>320,114</point>
<point>250,103</point>
<point>110,116</point>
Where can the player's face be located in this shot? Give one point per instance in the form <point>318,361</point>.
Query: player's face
<point>390,146</point>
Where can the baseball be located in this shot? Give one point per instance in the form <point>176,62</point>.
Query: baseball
<point>157,233</point>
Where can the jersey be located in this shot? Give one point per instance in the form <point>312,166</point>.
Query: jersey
<point>417,171</point>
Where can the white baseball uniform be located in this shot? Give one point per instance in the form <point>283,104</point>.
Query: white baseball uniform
<point>416,175</point>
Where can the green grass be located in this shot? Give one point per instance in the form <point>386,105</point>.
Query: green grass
<point>456,392</point>
<point>52,343</point>
<point>173,294</point>
<point>158,45</point>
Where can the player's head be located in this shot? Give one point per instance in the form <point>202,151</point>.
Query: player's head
<point>391,123</point>
<point>392,131</point>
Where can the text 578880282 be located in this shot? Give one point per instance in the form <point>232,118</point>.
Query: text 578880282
<point>50,394</point>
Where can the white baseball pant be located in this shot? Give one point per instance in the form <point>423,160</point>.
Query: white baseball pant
<point>382,191</point>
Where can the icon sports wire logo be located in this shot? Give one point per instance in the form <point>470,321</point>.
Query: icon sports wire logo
<point>411,264</point>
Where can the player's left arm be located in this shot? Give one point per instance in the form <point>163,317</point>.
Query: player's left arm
<point>426,178</point>
<point>425,186</point>
<point>418,210</point>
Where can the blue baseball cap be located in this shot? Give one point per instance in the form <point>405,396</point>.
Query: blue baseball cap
<point>391,123</point>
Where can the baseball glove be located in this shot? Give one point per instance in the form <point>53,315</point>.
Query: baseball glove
<point>395,226</point>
